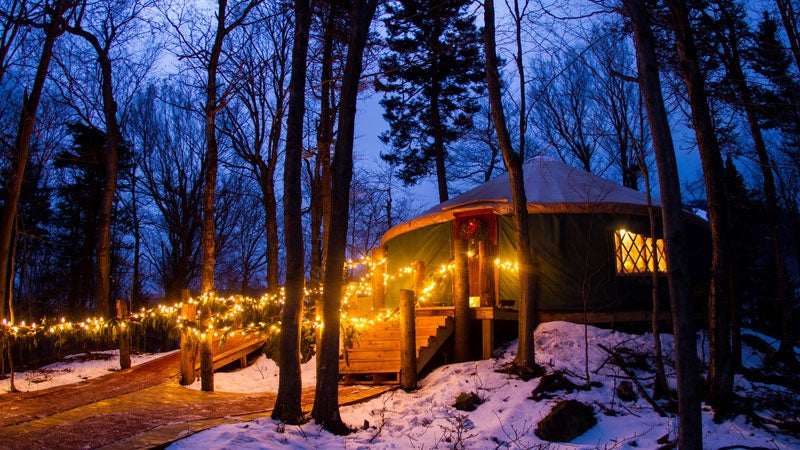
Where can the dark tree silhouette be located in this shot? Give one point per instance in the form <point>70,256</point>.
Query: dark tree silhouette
<point>431,77</point>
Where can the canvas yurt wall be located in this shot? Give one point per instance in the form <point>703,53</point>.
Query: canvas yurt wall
<point>574,218</point>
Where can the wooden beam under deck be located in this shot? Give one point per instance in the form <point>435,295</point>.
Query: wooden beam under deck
<point>488,315</point>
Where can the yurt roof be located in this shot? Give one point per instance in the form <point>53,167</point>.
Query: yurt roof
<point>550,186</point>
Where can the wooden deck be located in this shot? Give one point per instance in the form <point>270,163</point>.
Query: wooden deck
<point>375,356</point>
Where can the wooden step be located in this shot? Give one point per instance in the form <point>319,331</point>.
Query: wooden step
<point>394,333</point>
<point>376,351</point>
<point>388,343</point>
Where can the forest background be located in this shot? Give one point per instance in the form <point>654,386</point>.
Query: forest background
<point>153,146</point>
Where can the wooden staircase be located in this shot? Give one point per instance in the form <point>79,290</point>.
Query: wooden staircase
<point>375,354</point>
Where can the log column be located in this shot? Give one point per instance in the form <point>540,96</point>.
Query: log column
<point>188,343</point>
<point>461,300</point>
<point>124,337</point>
<point>408,341</point>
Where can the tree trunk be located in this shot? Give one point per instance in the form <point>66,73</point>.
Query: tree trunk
<point>733,63</point>
<point>519,59</point>
<point>789,19</point>
<point>321,185</point>
<point>661,387</point>
<point>271,212</point>
<point>528,272</point>
<point>137,296</point>
<point>690,430</point>
<point>321,178</point>
<point>720,374</point>
<point>22,146</point>
<point>440,152</point>
<point>124,336</point>
<point>326,400</point>
<point>208,233</point>
<point>287,404</point>
<point>270,202</point>
<point>103,251</point>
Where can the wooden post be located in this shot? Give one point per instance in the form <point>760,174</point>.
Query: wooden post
<point>124,337</point>
<point>419,277</point>
<point>188,344</point>
<point>378,255</point>
<point>487,269</point>
<point>487,339</point>
<point>461,300</point>
<point>408,341</point>
<point>206,348</point>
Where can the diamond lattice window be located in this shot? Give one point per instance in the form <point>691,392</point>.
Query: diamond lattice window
<point>635,253</point>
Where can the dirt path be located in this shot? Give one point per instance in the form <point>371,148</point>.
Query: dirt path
<point>138,408</point>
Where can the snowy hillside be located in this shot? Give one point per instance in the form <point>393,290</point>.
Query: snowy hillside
<point>508,416</point>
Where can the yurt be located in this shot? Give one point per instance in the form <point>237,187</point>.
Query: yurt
<point>591,242</point>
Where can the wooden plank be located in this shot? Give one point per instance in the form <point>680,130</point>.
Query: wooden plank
<point>487,338</point>
<point>373,355</point>
<point>493,313</point>
<point>371,367</point>
<point>238,352</point>
<point>435,311</point>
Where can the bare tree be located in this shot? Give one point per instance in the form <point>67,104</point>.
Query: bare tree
<point>206,47</point>
<point>107,27</point>
<point>564,110</point>
<point>49,19</point>
<point>375,206</point>
<point>287,404</point>
<point>241,256</point>
<point>477,153</point>
<point>170,141</point>
<point>619,103</point>
<point>12,31</point>
<point>690,434</point>
<point>253,120</point>
<point>528,272</point>
<point>326,400</point>
<point>333,22</point>
<point>720,373</point>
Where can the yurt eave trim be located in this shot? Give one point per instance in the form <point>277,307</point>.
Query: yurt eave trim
<point>503,208</point>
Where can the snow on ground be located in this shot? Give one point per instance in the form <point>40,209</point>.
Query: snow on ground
<point>72,369</point>
<point>508,417</point>
<point>261,376</point>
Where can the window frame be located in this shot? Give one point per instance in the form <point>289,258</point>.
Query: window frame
<point>641,262</point>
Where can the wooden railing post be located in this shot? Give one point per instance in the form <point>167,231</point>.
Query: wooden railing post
<point>408,341</point>
<point>124,337</point>
<point>206,346</point>
<point>378,255</point>
<point>461,300</point>
<point>188,344</point>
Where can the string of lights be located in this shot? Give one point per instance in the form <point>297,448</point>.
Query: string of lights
<point>220,317</point>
